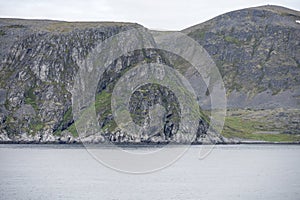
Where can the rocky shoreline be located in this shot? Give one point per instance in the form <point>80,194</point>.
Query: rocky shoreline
<point>150,143</point>
<point>77,141</point>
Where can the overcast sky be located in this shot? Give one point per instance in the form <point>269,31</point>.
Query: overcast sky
<point>155,14</point>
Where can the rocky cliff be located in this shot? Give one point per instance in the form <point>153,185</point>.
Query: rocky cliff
<point>257,52</point>
<point>40,60</point>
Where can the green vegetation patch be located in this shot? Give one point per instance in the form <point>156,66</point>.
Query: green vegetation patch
<point>236,127</point>
<point>72,129</point>
<point>2,33</point>
<point>67,119</point>
<point>234,40</point>
<point>103,107</point>
<point>103,101</point>
<point>30,98</point>
<point>68,116</point>
<point>198,34</point>
<point>37,126</point>
<point>15,26</point>
<point>64,27</point>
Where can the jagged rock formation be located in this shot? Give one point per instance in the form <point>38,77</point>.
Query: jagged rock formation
<point>40,60</point>
<point>257,51</point>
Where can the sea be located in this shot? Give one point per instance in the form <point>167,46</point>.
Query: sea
<point>260,171</point>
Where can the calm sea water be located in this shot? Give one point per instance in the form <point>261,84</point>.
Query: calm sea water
<point>229,172</point>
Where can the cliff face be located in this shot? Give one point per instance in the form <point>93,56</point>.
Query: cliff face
<point>257,51</point>
<point>40,60</point>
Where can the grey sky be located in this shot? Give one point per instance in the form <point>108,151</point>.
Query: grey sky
<point>157,14</point>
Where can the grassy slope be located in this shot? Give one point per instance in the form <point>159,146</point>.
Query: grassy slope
<point>255,128</point>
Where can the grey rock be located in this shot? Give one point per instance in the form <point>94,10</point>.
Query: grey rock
<point>256,50</point>
<point>2,96</point>
<point>257,53</point>
<point>25,112</point>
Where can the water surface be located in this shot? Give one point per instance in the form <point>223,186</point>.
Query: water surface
<point>229,172</point>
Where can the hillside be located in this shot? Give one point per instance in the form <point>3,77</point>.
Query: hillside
<point>257,51</point>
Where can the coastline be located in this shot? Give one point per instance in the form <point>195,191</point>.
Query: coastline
<point>135,144</point>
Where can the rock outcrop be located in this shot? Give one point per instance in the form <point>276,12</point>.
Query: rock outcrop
<point>257,51</point>
<point>40,60</point>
